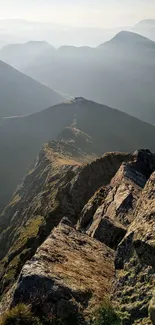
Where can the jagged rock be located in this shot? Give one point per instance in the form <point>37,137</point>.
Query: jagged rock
<point>72,269</point>
<point>59,184</point>
<point>135,259</point>
<point>66,221</point>
<point>69,272</point>
<point>90,208</point>
<point>152,310</point>
<point>35,210</point>
<point>144,162</point>
<point>80,139</point>
<point>109,221</point>
<point>107,231</point>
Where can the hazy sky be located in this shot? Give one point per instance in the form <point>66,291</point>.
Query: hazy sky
<point>95,13</point>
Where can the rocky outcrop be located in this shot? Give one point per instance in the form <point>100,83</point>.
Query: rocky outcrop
<point>73,135</point>
<point>107,231</point>
<point>77,231</point>
<point>59,184</point>
<point>111,210</point>
<point>35,208</point>
<point>69,274</point>
<point>135,260</point>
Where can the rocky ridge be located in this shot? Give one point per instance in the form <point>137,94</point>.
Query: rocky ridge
<point>54,278</point>
<point>78,231</point>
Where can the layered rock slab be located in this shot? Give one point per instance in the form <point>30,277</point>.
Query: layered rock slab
<point>135,260</point>
<point>69,272</point>
<point>59,184</point>
<point>109,213</point>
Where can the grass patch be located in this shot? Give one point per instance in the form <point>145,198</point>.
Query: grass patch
<point>30,230</point>
<point>106,315</point>
<point>20,315</point>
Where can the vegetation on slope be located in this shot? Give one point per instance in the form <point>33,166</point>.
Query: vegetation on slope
<point>22,315</point>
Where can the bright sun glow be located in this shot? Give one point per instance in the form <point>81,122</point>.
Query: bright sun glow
<point>99,13</point>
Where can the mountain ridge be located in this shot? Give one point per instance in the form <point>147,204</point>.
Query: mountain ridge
<point>21,95</point>
<point>51,240</point>
<point>99,122</point>
<point>130,38</point>
<point>103,73</point>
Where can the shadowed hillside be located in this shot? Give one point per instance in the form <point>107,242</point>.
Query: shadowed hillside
<point>21,95</point>
<point>119,73</point>
<point>109,130</point>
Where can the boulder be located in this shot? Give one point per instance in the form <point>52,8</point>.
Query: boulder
<point>108,231</point>
<point>116,206</point>
<point>135,260</point>
<point>70,273</point>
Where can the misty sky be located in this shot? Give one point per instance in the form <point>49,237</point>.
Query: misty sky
<point>95,13</point>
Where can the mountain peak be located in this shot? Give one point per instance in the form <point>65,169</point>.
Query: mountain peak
<point>39,43</point>
<point>130,39</point>
<point>144,22</point>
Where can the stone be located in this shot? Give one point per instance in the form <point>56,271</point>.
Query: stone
<point>70,271</point>
<point>135,259</point>
<point>108,231</point>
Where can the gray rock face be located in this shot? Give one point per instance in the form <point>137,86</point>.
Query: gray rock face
<point>59,184</point>
<point>117,201</point>
<point>90,208</point>
<point>152,310</point>
<point>79,232</point>
<point>69,272</point>
<point>107,231</point>
<point>135,259</point>
<point>73,135</point>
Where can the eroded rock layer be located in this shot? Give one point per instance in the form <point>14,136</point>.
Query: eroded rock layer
<point>69,269</point>
<point>79,229</point>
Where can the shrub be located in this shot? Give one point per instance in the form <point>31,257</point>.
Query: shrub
<point>106,315</point>
<point>20,315</point>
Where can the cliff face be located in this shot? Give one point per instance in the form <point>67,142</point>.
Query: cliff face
<point>69,273</point>
<point>78,230</point>
<point>59,184</point>
<point>135,259</point>
<point>76,137</point>
<point>36,207</point>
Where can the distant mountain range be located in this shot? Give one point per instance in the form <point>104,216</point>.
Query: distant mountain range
<point>119,73</point>
<point>146,28</point>
<point>20,31</point>
<point>79,227</point>
<point>21,55</point>
<point>130,39</point>
<point>21,95</point>
<point>108,129</point>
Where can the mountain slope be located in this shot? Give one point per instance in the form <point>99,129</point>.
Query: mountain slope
<point>19,31</point>
<point>120,73</point>
<point>109,130</point>
<point>59,184</point>
<point>146,27</point>
<point>131,40</point>
<point>21,55</point>
<point>21,95</point>
<point>76,237</point>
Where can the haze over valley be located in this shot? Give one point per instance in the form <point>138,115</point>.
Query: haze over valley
<point>77,164</point>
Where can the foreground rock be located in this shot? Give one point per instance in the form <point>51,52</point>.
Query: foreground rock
<point>70,274</point>
<point>110,202</point>
<point>135,260</point>
<point>110,211</point>
<point>59,184</point>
